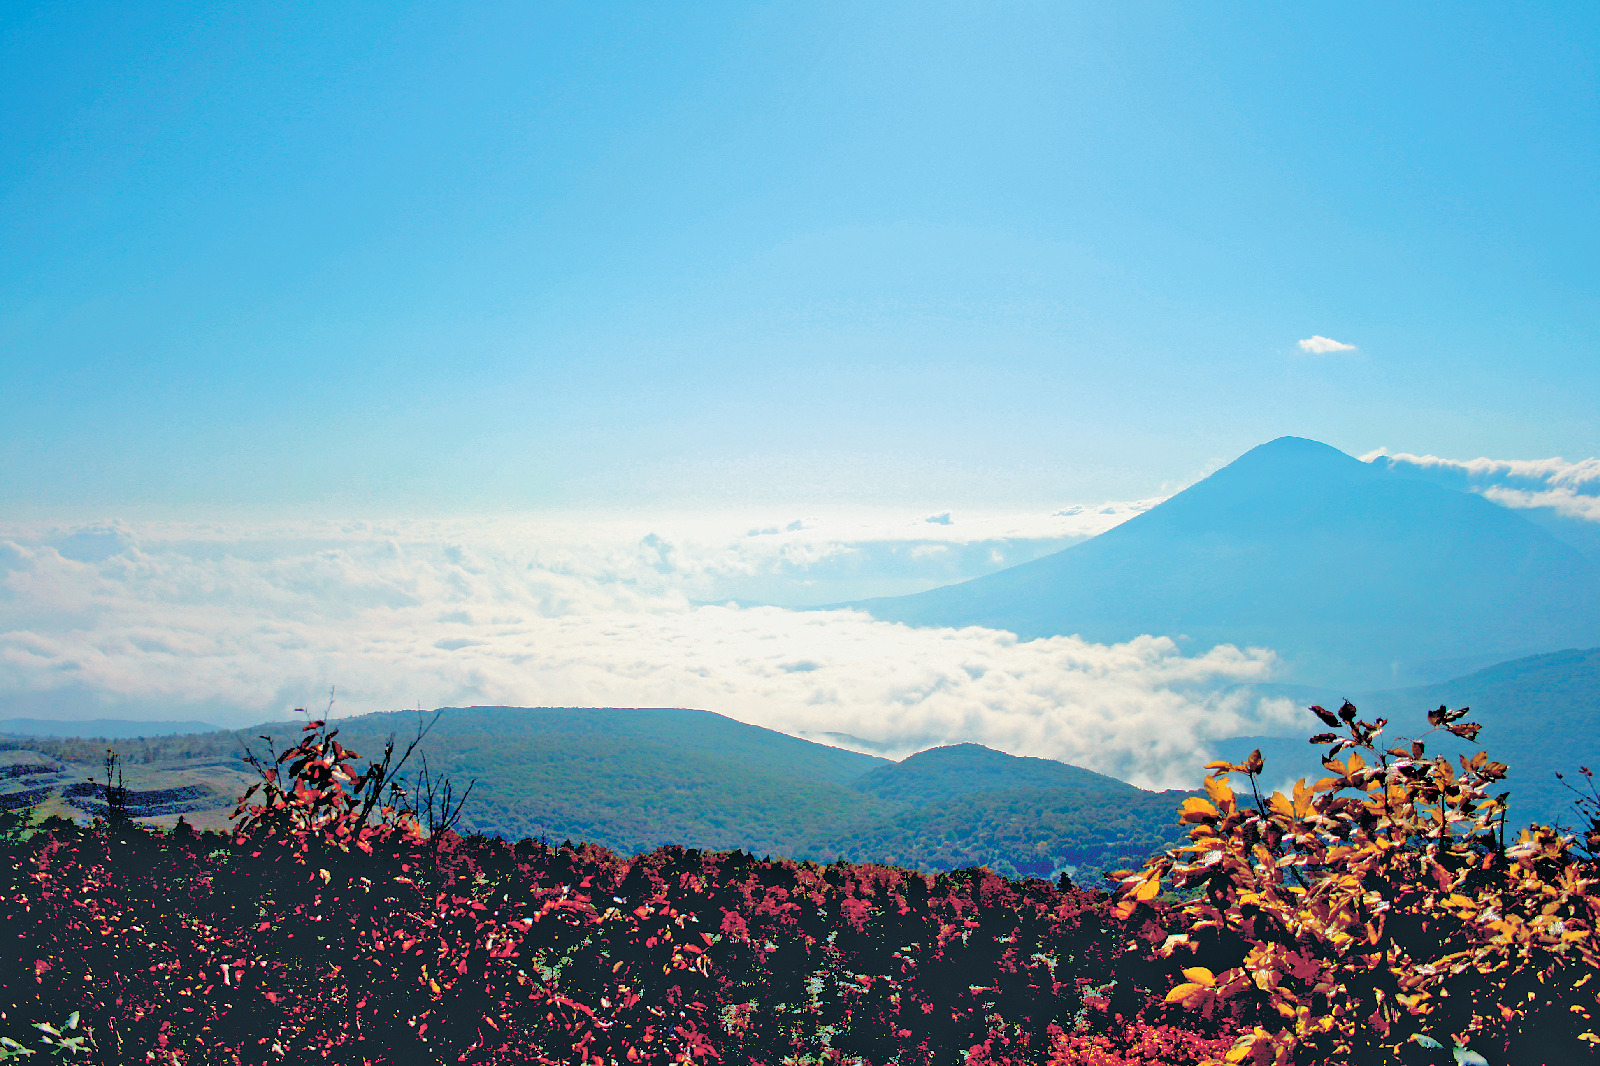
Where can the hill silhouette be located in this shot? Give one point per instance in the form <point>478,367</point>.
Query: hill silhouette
<point>1355,576</point>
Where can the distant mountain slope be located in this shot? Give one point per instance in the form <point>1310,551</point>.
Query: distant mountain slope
<point>1579,532</point>
<point>1541,716</point>
<point>1354,575</point>
<point>940,774</point>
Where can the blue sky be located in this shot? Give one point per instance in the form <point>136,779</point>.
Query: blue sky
<point>416,259</point>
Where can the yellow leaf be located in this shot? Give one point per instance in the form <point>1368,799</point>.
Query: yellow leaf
<point>1148,890</point>
<point>1219,792</point>
<point>1302,799</point>
<point>1200,976</point>
<point>1194,809</point>
<point>1182,992</point>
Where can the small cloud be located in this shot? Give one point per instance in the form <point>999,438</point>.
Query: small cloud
<point>457,644</point>
<point>939,519</point>
<point>1320,345</point>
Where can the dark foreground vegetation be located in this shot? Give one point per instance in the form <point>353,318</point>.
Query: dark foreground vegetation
<point>1378,915</point>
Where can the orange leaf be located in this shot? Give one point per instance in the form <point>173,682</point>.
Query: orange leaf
<point>1182,992</point>
<point>1148,890</point>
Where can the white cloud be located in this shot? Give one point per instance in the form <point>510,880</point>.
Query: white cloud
<point>1320,345</point>
<point>266,618</point>
<point>1571,489</point>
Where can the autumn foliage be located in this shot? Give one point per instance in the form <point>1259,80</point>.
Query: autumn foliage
<point>1332,924</point>
<point>327,927</point>
<point>1380,911</point>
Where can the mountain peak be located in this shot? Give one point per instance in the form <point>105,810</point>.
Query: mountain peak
<point>1268,465</point>
<point>1301,445</point>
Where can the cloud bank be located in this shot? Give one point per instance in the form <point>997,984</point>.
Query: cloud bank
<point>1569,489</point>
<point>246,623</point>
<point>1320,345</point>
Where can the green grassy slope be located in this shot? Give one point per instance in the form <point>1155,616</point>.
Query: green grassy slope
<point>633,779</point>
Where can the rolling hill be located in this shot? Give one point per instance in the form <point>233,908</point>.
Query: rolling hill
<point>1356,576</point>
<point>633,780</point>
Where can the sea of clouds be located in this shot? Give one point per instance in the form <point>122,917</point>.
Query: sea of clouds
<point>241,623</point>
<point>238,623</point>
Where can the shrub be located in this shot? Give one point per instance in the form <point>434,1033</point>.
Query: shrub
<point>1381,911</point>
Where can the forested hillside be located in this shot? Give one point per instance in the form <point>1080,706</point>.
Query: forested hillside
<point>632,780</point>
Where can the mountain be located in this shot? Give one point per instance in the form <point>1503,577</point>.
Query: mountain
<point>632,780</point>
<point>1540,716</point>
<point>1354,575</point>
